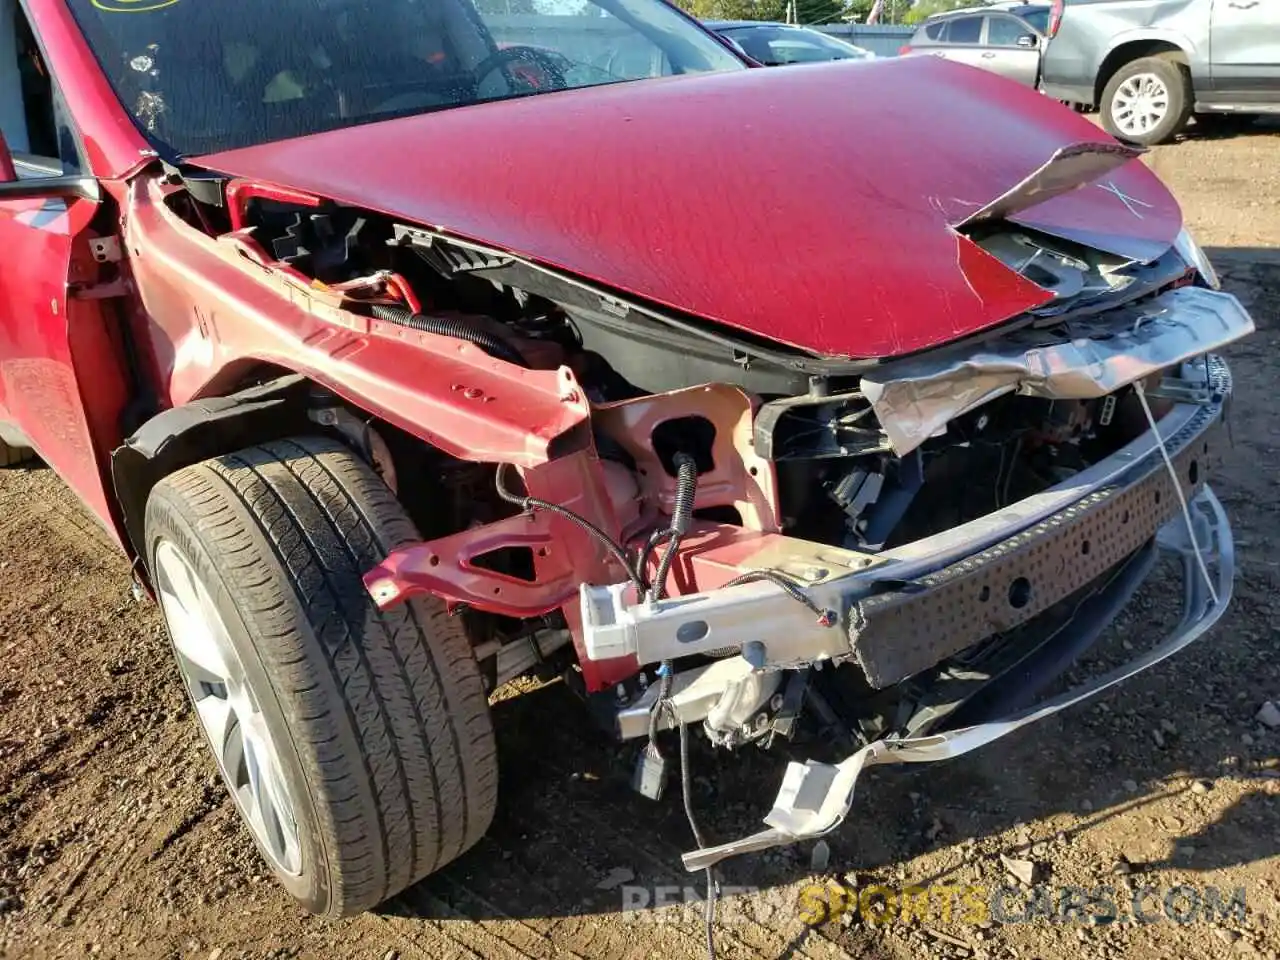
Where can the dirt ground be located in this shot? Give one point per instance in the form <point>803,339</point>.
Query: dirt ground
<point>117,840</point>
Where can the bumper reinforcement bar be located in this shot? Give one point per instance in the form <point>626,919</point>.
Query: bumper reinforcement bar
<point>815,797</point>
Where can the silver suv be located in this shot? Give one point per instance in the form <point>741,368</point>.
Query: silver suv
<point>1148,65</point>
<point>1005,40</point>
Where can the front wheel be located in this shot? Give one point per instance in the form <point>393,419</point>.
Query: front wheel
<point>356,744</point>
<point>1147,101</point>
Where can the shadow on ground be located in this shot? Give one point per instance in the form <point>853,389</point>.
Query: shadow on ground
<point>1228,127</point>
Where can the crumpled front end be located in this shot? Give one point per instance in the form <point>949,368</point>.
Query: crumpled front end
<point>920,611</point>
<point>915,556</point>
<point>902,556</point>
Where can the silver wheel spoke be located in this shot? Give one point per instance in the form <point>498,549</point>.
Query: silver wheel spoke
<point>269,798</point>
<point>188,615</point>
<point>1140,104</point>
<point>218,721</point>
<point>227,709</point>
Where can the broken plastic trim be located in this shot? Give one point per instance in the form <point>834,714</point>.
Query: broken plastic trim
<point>816,797</point>
<point>915,399</point>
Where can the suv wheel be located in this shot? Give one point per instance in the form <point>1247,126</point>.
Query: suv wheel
<point>355,743</point>
<point>1147,101</point>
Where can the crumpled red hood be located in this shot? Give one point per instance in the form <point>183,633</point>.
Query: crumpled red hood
<point>810,205</point>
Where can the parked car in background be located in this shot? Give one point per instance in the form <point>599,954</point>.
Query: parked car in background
<point>1036,14</point>
<point>1004,41</point>
<point>779,44</point>
<point>1149,65</point>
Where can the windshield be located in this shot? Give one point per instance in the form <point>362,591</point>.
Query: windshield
<point>202,76</point>
<point>775,46</point>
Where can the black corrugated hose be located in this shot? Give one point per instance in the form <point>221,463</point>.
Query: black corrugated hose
<point>681,518</point>
<point>457,327</point>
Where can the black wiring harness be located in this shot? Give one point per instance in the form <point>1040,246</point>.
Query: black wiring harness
<point>533,503</point>
<point>653,590</point>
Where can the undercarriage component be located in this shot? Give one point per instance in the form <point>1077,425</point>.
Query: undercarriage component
<point>514,658</point>
<point>361,436</point>
<point>815,797</point>
<point>728,693</point>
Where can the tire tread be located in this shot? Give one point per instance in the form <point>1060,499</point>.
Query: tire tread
<point>387,710</point>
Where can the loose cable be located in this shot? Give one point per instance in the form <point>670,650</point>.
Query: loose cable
<point>1177,488</point>
<point>787,586</point>
<point>534,503</point>
<point>681,517</point>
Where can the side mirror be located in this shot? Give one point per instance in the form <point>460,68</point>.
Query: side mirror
<point>13,187</point>
<point>1027,40</point>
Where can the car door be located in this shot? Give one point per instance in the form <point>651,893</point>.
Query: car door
<point>61,372</point>
<point>1244,51</point>
<point>1012,49</point>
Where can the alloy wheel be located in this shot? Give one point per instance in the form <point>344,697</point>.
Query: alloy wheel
<point>227,709</point>
<point>1140,104</point>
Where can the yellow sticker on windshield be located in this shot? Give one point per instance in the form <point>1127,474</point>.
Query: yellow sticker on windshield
<point>132,6</point>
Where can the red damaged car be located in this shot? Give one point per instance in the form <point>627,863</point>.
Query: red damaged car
<point>404,357</point>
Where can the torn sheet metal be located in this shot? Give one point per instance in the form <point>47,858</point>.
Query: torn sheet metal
<point>915,399</point>
<point>815,797</point>
<point>1071,167</point>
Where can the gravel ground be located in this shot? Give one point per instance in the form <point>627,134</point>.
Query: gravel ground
<point>117,840</point>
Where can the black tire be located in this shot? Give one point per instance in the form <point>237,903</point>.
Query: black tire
<point>11,456</point>
<point>1177,81</point>
<point>380,721</point>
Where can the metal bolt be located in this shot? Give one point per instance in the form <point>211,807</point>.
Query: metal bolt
<point>775,703</point>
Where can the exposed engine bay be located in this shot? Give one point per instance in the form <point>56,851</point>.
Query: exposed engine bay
<point>782,544</point>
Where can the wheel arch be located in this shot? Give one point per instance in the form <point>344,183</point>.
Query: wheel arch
<point>255,404</point>
<point>1129,47</point>
<point>191,432</point>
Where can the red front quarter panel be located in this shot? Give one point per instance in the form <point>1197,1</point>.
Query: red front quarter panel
<point>213,314</point>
